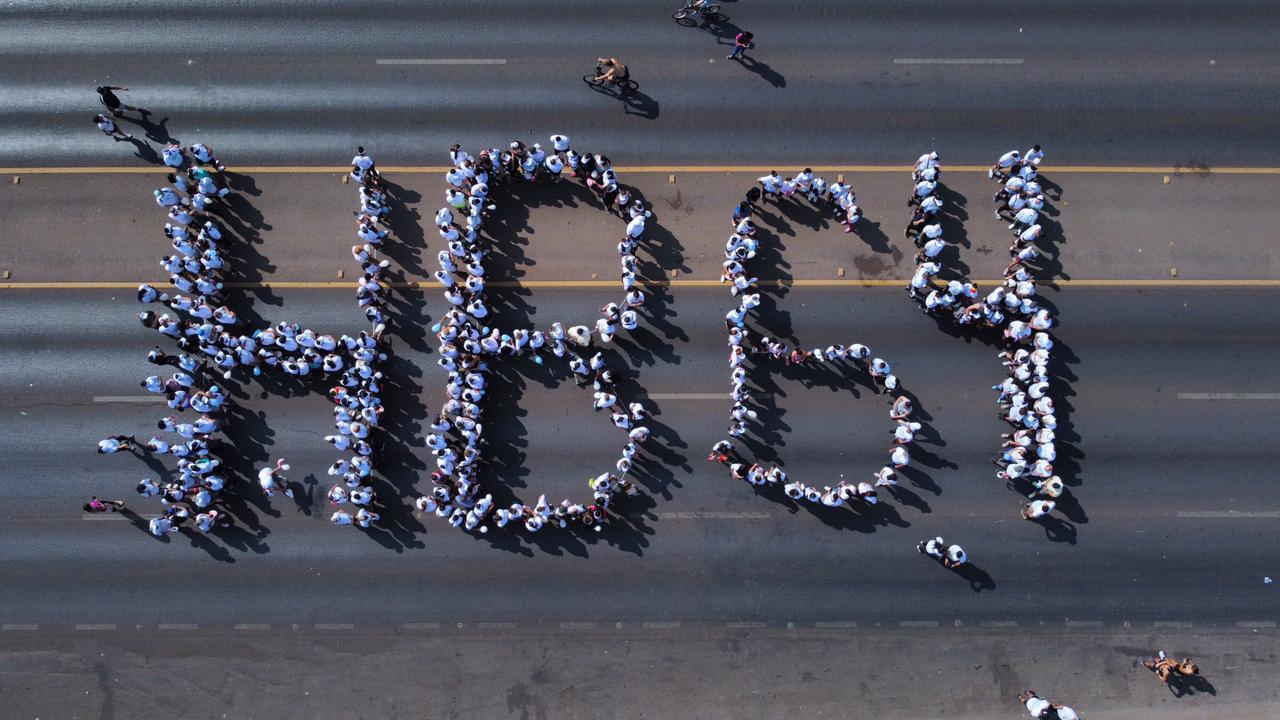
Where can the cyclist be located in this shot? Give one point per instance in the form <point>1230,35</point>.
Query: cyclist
<point>612,70</point>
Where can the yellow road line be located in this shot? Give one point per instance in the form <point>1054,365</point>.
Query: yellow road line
<point>641,169</point>
<point>573,284</point>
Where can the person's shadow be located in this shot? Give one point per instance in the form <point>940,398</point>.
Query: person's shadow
<point>771,76</point>
<point>1181,685</point>
<point>641,105</point>
<point>977,578</point>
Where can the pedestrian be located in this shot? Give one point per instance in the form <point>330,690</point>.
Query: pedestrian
<point>269,477</point>
<point>116,443</point>
<point>1037,707</point>
<point>108,128</point>
<point>96,506</point>
<point>741,44</point>
<point>108,98</point>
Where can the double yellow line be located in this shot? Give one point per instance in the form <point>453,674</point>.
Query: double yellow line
<point>578,284</point>
<point>634,169</point>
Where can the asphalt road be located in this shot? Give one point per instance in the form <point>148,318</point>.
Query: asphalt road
<point>286,83</point>
<point>706,599</point>
<point>1172,495</point>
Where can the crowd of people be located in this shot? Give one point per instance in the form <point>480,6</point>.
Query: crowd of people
<point>1028,452</point>
<point>357,395</point>
<point>201,323</point>
<point>746,344</point>
<point>213,346</point>
<point>468,342</point>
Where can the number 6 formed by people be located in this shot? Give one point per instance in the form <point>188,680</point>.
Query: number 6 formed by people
<point>749,348</point>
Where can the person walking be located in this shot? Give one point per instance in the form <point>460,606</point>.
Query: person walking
<point>109,128</point>
<point>96,506</point>
<point>113,104</point>
<point>741,43</point>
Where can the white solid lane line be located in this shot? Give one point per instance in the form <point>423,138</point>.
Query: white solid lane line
<point>441,61</point>
<point>1229,396</point>
<point>957,61</point>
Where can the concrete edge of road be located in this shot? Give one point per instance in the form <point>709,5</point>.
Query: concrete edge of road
<point>571,284</point>
<point>670,626</point>
<point>671,169</point>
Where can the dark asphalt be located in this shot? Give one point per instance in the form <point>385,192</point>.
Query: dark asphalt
<point>1157,478</point>
<point>1165,83</point>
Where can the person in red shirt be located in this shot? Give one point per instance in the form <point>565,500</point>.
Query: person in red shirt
<point>740,45</point>
<point>96,505</point>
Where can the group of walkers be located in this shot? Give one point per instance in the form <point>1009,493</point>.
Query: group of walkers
<point>745,343</point>
<point>357,396</point>
<point>200,323</point>
<point>205,330</point>
<point>1029,452</point>
<point>469,342</point>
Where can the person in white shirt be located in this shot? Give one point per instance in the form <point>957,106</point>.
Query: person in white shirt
<point>1002,165</point>
<point>1033,158</point>
<point>268,477</point>
<point>635,228</point>
<point>771,184</point>
<point>1037,509</point>
<point>108,128</point>
<point>931,250</point>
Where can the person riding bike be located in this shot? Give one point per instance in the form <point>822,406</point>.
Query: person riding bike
<point>611,70</point>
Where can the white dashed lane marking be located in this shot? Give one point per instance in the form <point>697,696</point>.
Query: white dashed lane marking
<point>20,627</point>
<point>957,61</point>
<point>440,61</point>
<point>179,626</point>
<point>95,626</point>
<point>335,626</point>
<point>918,623</point>
<point>1230,514</point>
<point>1229,396</point>
<point>420,626</point>
<point>252,626</point>
<point>661,625</point>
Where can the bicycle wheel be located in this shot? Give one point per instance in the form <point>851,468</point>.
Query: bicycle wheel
<point>628,85</point>
<point>680,14</point>
<point>711,9</point>
<point>591,80</point>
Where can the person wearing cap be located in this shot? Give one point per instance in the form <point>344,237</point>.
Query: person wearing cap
<point>927,161</point>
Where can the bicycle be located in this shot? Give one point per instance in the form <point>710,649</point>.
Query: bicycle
<point>689,13</point>
<point>624,86</point>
